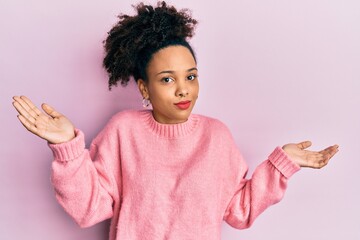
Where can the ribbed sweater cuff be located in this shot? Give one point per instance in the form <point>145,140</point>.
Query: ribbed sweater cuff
<point>70,150</point>
<point>283,163</point>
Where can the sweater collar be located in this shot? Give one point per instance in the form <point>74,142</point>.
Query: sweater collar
<point>169,130</point>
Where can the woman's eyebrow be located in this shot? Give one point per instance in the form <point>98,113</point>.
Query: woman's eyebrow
<point>192,69</point>
<point>170,71</point>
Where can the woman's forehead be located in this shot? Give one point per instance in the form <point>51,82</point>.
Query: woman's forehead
<point>172,58</point>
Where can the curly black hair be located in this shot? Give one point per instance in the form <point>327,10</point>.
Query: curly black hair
<point>132,41</point>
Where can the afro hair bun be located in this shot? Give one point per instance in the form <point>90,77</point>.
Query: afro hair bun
<point>131,36</point>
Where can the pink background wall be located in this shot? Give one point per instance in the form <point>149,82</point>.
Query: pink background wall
<point>273,71</point>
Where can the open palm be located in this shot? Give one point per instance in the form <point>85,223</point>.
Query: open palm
<point>306,158</point>
<point>49,125</point>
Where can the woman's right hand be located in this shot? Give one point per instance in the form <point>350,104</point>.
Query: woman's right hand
<point>51,125</point>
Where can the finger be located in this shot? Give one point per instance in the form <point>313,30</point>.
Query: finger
<point>23,112</point>
<point>325,161</point>
<point>322,162</point>
<point>330,151</point>
<point>304,145</point>
<point>31,107</point>
<point>326,154</point>
<point>25,107</point>
<point>28,125</point>
<point>314,157</point>
<point>50,111</point>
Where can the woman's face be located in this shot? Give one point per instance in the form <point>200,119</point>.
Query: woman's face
<point>172,86</point>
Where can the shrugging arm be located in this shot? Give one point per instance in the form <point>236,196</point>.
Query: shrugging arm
<point>83,182</point>
<point>266,187</point>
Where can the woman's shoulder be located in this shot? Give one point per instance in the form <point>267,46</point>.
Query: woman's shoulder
<point>212,123</point>
<point>128,114</point>
<point>216,130</point>
<point>125,118</point>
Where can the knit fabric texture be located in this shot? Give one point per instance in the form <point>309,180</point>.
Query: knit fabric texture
<point>164,181</point>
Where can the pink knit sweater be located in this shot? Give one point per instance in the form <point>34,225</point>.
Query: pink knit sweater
<point>159,181</point>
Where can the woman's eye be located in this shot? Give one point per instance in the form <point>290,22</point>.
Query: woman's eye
<point>167,80</point>
<point>191,77</point>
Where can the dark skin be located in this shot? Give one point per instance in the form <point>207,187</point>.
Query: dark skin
<point>170,80</point>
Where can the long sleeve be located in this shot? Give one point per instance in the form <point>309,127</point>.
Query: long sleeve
<point>164,181</point>
<point>83,184</point>
<point>266,187</point>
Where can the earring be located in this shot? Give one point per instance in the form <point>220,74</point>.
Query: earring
<point>145,102</point>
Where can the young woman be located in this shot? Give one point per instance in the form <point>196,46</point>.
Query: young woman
<point>163,173</point>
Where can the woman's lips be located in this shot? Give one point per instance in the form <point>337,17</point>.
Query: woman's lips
<point>183,105</point>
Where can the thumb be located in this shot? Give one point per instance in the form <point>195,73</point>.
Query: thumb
<point>50,111</point>
<point>304,145</point>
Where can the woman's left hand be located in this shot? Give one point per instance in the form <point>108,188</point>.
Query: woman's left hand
<point>306,158</point>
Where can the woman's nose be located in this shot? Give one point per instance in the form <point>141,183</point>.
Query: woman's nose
<point>182,90</point>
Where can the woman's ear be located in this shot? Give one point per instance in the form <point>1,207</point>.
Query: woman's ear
<point>143,88</point>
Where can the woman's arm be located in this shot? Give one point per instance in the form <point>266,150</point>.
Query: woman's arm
<point>269,181</point>
<point>83,184</point>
